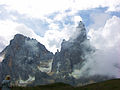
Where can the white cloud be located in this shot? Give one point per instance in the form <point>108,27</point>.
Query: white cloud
<point>109,34</point>
<point>88,4</point>
<point>99,20</point>
<point>106,60</point>
<point>39,8</point>
<point>76,20</point>
<point>54,26</point>
<point>52,38</point>
<point>9,28</point>
<point>60,16</point>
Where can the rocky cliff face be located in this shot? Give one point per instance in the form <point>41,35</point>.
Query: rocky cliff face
<point>25,59</point>
<point>29,62</point>
<point>71,56</point>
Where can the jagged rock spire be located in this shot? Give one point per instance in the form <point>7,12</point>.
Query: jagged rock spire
<point>24,54</point>
<point>81,25</point>
<point>81,32</point>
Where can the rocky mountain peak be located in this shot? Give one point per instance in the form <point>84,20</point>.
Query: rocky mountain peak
<point>79,37</point>
<point>24,55</point>
<point>27,61</point>
<point>19,36</point>
<point>81,32</point>
<point>19,39</point>
<point>81,25</point>
<point>71,56</point>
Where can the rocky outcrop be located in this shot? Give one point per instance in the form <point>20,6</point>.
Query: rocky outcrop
<point>71,55</point>
<point>28,62</point>
<point>24,60</point>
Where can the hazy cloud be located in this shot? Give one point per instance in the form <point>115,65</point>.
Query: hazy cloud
<point>39,8</point>
<point>9,28</point>
<point>106,59</point>
<point>99,19</point>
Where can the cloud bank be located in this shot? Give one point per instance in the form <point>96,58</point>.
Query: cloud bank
<point>9,28</point>
<point>106,59</point>
<point>59,26</point>
<point>39,8</point>
<point>52,38</point>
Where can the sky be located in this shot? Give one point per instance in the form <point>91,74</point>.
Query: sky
<point>51,21</point>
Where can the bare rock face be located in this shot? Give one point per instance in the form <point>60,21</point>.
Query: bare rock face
<point>71,55</point>
<point>24,60</point>
<point>28,62</point>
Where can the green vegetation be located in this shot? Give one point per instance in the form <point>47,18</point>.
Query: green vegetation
<point>106,85</point>
<point>55,86</point>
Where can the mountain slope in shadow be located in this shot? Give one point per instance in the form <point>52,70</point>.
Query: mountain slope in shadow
<point>106,85</point>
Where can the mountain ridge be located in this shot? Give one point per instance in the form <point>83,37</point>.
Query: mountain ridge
<point>28,62</point>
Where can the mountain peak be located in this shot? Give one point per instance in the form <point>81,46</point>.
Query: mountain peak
<point>80,25</point>
<point>80,33</point>
<point>18,35</point>
<point>25,55</point>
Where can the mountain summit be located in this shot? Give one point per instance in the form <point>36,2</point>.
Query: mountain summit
<point>28,62</point>
<point>25,60</point>
<point>71,56</point>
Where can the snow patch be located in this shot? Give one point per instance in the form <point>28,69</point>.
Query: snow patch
<point>76,73</point>
<point>29,80</point>
<point>45,66</point>
<point>2,57</point>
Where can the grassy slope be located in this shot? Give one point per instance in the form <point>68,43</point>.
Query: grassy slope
<point>56,86</point>
<point>106,85</point>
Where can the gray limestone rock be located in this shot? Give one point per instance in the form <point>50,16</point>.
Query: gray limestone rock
<point>22,59</point>
<point>28,62</point>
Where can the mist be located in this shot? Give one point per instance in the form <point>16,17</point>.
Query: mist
<point>32,45</point>
<point>106,59</point>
